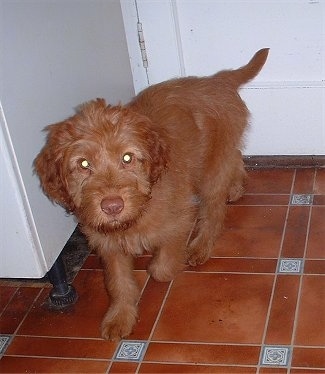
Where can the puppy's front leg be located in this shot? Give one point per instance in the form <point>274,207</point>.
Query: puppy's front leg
<point>123,292</point>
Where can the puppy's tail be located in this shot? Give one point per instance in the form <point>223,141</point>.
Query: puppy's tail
<point>246,73</point>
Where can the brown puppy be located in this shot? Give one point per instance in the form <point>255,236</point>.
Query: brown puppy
<point>154,175</point>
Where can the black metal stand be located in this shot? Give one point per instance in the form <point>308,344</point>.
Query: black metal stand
<point>63,294</point>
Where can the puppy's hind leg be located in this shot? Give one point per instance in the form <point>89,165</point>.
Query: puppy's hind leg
<point>214,195</point>
<point>124,294</point>
<point>239,176</point>
<point>208,227</point>
<point>224,185</point>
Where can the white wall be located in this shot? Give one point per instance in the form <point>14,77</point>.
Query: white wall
<point>55,55</point>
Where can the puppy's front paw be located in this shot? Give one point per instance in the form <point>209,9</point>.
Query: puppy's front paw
<point>118,322</point>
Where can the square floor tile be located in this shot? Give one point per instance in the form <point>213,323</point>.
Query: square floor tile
<point>310,329</point>
<point>315,245</point>
<point>211,307</point>
<point>275,356</point>
<point>252,231</point>
<point>304,181</point>
<point>290,266</point>
<point>270,181</point>
<point>4,342</point>
<point>283,308</point>
<point>320,182</point>
<point>301,199</point>
<point>131,350</point>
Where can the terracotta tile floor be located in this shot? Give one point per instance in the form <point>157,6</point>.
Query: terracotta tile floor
<point>258,306</point>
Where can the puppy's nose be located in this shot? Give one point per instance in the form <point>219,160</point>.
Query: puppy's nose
<point>112,205</point>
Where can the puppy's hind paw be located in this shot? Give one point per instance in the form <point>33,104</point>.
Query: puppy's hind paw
<point>235,193</point>
<point>118,324</point>
<point>197,256</point>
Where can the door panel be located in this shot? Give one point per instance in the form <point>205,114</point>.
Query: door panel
<point>200,37</point>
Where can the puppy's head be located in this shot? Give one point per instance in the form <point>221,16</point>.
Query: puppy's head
<point>101,164</point>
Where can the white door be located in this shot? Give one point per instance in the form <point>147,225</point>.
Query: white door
<point>200,37</point>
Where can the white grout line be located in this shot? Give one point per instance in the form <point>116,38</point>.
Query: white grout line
<point>302,276</point>
<point>157,320</point>
<point>267,320</point>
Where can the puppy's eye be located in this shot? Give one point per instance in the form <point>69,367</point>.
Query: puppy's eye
<point>84,164</point>
<point>127,158</point>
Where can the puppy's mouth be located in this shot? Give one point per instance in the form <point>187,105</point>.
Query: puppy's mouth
<point>112,213</point>
<point>114,225</point>
<point>107,223</point>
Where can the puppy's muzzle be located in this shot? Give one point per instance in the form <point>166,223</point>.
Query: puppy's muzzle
<point>112,205</point>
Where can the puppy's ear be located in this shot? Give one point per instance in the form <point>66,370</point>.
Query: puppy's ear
<point>158,155</point>
<point>49,164</point>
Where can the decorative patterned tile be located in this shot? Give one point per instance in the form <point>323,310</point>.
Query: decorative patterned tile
<point>131,350</point>
<point>275,356</point>
<point>302,199</point>
<point>290,266</point>
<point>4,342</point>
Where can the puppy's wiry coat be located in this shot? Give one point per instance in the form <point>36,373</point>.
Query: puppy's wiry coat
<point>153,175</point>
